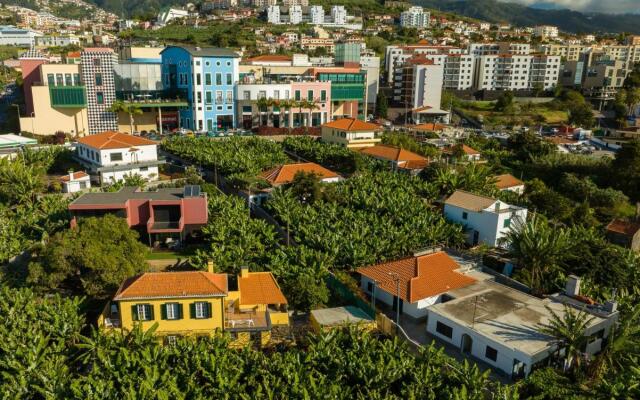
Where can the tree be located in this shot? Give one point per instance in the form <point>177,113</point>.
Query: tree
<point>306,187</point>
<point>568,330</point>
<point>539,250</point>
<point>382,105</point>
<point>20,182</point>
<point>94,258</point>
<point>626,169</point>
<point>129,108</point>
<point>505,102</point>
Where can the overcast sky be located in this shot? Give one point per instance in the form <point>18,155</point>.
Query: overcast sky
<point>606,6</point>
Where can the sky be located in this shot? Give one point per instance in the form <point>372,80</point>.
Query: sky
<point>605,6</point>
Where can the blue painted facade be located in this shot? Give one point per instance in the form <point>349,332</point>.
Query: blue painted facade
<point>207,78</point>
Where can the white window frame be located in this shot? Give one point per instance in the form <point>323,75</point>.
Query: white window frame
<point>172,311</point>
<point>200,310</point>
<point>143,314</point>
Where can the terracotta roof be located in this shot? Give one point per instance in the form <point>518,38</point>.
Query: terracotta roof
<point>466,149</point>
<point>624,227</point>
<point>423,108</point>
<point>260,288</point>
<point>285,173</point>
<point>351,124</point>
<point>420,59</point>
<point>409,159</point>
<point>420,277</point>
<point>430,126</point>
<point>114,140</point>
<point>73,54</point>
<point>74,175</point>
<point>161,285</point>
<point>269,57</point>
<point>469,201</point>
<point>505,181</point>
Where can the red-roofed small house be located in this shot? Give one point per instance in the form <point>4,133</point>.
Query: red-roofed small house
<point>351,133</point>
<point>419,281</point>
<point>75,182</point>
<point>113,156</point>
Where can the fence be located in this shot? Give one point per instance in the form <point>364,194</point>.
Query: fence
<point>343,292</point>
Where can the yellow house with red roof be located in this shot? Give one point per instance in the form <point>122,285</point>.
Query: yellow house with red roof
<point>351,133</point>
<point>199,303</point>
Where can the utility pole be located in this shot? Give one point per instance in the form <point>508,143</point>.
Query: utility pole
<point>396,279</point>
<point>475,306</point>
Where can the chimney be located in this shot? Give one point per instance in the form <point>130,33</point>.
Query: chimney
<point>611,306</point>
<point>70,175</point>
<point>244,271</point>
<point>572,287</point>
<point>210,268</point>
<point>497,206</point>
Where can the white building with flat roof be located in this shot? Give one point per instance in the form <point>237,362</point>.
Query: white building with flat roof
<point>316,15</point>
<point>415,17</point>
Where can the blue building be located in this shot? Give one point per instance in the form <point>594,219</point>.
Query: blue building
<point>207,78</point>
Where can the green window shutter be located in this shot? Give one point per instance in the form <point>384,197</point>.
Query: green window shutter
<point>209,310</point>
<point>180,311</point>
<point>134,312</point>
<point>192,310</point>
<point>151,317</point>
<point>163,311</point>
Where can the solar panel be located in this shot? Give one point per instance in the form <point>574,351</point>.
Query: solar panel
<point>187,191</point>
<point>195,190</point>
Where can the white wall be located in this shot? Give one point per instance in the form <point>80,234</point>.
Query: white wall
<point>144,153</point>
<point>490,225</point>
<point>415,310</point>
<point>150,174</point>
<point>255,89</point>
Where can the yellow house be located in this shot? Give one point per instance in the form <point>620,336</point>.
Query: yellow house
<point>351,133</point>
<point>199,303</point>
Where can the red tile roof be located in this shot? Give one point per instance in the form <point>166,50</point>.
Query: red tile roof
<point>506,181</point>
<point>114,140</point>
<point>352,125</point>
<point>285,173</point>
<point>260,288</point>
<point>420,277</point>
<point>466,149</point>
<point>408,159</point>
<point>624,227</point>
<point>74,175</point>
<point>162,285</point>
<point>430,126</point>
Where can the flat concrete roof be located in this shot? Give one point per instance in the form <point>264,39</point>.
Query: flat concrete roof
<point>128,193</point>
<point>504,315</point>
<point>340,316</point>
<point>11,140</point>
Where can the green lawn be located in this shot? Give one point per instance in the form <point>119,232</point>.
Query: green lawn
<point>171,255</point>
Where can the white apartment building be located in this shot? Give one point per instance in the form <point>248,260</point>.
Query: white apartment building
<point>316,15</point>
<point>339,15</point>
<point>289,3</point>
<point>546,31</point>
<point>458,71</point>
<point>273,14</point>
<point>57,40</point>
<point>264,3</point>
<point>516,72</point>
<point>295,14</point>
<point>170,14</point>
<point>415,17</point>
<point>482,49</point>
<point>12,36</point>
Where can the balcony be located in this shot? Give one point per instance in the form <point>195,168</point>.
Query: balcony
<point>68,96</point>
<point>168,226</point>
<point>246,321</point>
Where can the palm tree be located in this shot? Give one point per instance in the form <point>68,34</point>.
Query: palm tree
<point>539,249</point>
<point>568,330</point>
<point>286,105</point>
<point>622,348</point>
<point>262,104</point>
<point>309,105</point>
<point>129,108</point>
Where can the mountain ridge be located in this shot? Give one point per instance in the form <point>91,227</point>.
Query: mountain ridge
<point>521,15</point>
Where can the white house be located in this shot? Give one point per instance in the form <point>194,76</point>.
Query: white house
<point>415,17</point>
<point>112,156</point>
<point>75,182</point>
<point>501,326</point>
<point>419,281</point>
<point>486,220</point>
<point>508,182</point>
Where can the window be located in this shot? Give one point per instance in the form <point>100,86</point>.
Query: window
<point>310,95</point>
<point>507,223</point>
<point>142,312</point>
<point>207,97</point>
<point>228,63</point>
<point>96,62</point>
<point>200,310</point>
<point>207,79</point>
<point>51,80</point>
<point>323,95</point>
<point>170,340</point>
<point>199,97</point>
<point>370,287</point>
<point>98,79</point>
<point>246,95</point>
<point>297,94</point>
<point>276,94</point>
<point>76,79</point>
<point>465,215</point>
<point>218,78</point>
<point>229,79</point>
<point>68,81</point>
<point>171,311</point>
<point>229,96</point>
<point>144,169</point>
<point>59,80</point>
<point>491,353</point>
<point>197,62</point>
<point>262,94</point>
<point>115,157</point>
<point>218,96</point>
<point>444,330</point>
<point>198,79</point>
<point>99,97</point>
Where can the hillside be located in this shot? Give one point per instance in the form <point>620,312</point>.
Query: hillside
<point>566,20</point>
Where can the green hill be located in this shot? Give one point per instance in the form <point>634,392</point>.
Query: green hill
<point>516,14</point>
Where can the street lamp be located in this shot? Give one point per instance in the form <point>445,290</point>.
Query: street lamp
<point>396,279</point>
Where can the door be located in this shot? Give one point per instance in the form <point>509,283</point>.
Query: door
<point>467,344</point>
<point>209,125</point>
<point>476,237</point>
